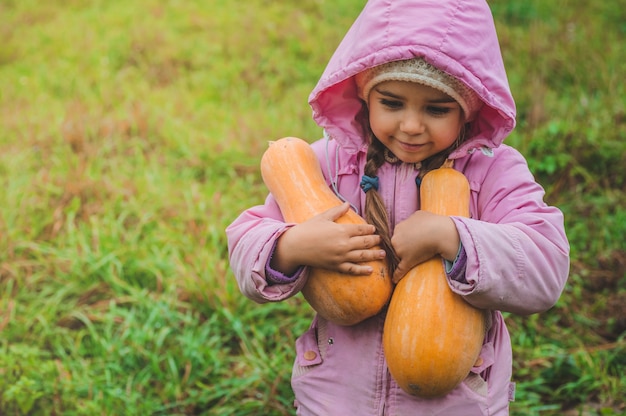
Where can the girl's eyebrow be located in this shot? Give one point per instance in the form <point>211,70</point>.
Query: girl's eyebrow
<point>388,93</point>
<point>444,99</point>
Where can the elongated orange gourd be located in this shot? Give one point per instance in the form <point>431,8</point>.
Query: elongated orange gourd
<point>432,337</point>
<point>292,173</point>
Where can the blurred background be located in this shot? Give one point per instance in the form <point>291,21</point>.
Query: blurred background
<point>130,137</point>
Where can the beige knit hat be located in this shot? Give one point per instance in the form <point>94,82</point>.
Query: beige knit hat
<point>418,70</point>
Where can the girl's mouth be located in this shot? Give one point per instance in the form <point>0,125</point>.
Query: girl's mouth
<point>408,147</point>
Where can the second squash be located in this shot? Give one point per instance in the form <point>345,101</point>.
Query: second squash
<point>432,336</point>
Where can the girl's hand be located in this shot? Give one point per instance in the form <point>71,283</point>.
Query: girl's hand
<point>321,242</point>
<point>422,236</point>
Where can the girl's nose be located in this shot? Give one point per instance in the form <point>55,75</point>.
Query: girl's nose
<point>412,123</point>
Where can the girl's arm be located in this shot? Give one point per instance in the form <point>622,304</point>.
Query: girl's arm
<point>264,250</point>
<point>320,242</point>
<point>516,247</point>
<point>251,240</point>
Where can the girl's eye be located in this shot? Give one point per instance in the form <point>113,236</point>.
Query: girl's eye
<point>394,104</point>
<point>438,111</point>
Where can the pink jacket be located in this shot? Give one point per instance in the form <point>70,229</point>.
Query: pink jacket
<point>517,250</point>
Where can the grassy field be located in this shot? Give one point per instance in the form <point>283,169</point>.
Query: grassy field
<point>130,136</point>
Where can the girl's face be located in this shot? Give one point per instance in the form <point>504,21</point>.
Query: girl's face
<point>412,120</point>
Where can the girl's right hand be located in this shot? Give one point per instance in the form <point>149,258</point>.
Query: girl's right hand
<point>321,242</point>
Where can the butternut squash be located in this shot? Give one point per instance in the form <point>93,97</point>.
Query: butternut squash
<point>432,336</point>
<point>292,173</point>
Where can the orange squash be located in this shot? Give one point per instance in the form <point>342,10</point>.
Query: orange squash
<point>292,173</point>
<point>432,336</point>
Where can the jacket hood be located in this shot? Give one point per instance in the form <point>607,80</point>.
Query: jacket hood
<point>457,36</point>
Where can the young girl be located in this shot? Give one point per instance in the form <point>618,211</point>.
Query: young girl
<point>413,83</point>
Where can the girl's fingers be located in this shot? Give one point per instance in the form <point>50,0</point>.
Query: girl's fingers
<point>355,269</point>
<point>362,229</point>
<point>399,273</point>
<point>365,242</point>
<point>361,256</point>
<point>335,213</point>
<point>357,260</point>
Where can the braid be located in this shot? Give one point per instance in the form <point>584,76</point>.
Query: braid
<point>433,162</point>
<point>375,211</point>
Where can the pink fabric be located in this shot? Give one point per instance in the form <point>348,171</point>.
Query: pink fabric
<point>516,248</point>
<point>457,36</point>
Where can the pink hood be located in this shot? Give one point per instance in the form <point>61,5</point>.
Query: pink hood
<point>388,30</point>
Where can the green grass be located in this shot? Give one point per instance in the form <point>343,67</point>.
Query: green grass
<point>130,136</point>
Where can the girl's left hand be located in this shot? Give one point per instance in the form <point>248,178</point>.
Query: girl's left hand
<point>422,236</point>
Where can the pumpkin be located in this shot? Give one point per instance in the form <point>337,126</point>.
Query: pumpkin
<point>292,173</point>
<point>432,337</point>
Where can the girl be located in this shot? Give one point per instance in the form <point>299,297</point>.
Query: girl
<point>414,82</point>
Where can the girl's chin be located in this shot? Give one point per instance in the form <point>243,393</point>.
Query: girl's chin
<point>410,157</point>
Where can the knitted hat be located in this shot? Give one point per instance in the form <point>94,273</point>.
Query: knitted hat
<point>420,71</point>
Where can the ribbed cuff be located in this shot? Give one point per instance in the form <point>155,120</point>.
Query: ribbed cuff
<point>456,270</point>
<point>277,278</point>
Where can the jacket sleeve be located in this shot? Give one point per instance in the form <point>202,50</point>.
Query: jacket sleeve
<point>516,247</point>
<point>251,240</point>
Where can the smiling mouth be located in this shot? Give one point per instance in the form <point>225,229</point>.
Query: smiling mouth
<point>410,147</point>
